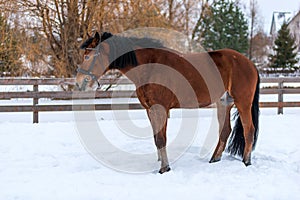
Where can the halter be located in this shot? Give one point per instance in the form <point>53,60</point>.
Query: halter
<point>89,71</point>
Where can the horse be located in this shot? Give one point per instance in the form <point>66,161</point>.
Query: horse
<point>167,79</point>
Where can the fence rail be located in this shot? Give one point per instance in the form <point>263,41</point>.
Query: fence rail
<point>280,90</point>
<point>35,94</point>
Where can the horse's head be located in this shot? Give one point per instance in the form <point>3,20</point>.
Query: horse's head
<point>95,62</point>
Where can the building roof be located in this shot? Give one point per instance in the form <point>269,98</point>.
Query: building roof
<point>294,18</point>
<point>278,19</point>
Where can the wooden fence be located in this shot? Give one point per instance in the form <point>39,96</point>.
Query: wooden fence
<point>280,90</point>
<point>36,94</point>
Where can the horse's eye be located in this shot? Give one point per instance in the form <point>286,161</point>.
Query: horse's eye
<point>86,57</point>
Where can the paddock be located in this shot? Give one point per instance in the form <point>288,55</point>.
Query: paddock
<point>48,161</point>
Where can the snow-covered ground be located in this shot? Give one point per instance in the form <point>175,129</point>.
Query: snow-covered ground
<point>48,161</point>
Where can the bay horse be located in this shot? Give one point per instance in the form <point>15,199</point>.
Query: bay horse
<point>167,79</point>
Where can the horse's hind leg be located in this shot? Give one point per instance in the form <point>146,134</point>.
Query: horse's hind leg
<point>246,119</point>
<point>224,130</point>
<point>158,118</point>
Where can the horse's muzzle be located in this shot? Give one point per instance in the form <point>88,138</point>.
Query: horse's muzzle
<point>86,85</point>
<point>81,85</point>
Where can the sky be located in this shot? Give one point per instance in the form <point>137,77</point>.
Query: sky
<point>267,7</point>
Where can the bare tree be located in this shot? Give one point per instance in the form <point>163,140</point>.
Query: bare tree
<point>253,22</point>
<point>182,15</point>
<point>10,51</point>
<point>52,29</point>
<point>204,13</point>
<point>62,23</point>
<point>261,45</point>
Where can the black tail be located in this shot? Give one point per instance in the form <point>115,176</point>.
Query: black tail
<point>236,143</point>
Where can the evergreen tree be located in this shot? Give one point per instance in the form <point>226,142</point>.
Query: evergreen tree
<point>285,50</point>
<point>224,26</point>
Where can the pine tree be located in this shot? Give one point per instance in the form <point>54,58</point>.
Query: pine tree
<point>224,26</point>
<point>284,48</point>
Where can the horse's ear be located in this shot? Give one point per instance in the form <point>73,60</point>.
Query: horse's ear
<point>97,36</point>
<point>105,36</point>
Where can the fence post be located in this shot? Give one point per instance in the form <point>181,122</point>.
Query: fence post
<point>35,102</point>
<point>280,97</point>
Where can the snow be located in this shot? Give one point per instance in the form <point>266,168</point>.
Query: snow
<point>48,161</point>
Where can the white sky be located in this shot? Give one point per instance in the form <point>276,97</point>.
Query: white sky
<point>266,8</point>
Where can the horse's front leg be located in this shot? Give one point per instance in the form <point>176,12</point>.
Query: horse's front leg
<point>158,117</point>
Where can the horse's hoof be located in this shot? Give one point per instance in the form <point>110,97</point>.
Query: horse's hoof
<point>164,169</point>
<point>213,160</point>
<point>247,163</point>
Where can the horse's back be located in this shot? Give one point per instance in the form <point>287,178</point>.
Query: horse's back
<point>232,59</point>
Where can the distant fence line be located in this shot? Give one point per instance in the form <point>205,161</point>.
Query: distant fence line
<point>280,90</point>
<point>35,94</point>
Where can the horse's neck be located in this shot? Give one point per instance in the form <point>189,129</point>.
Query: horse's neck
<point>139,74</point>
<point>150,64</point>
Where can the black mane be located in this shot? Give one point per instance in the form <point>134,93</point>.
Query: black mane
<point>122,48</point>
<point>126,46</point>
